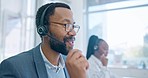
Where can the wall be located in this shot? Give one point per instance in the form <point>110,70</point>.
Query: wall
<point>77,8</point>
<point>0,33</point>
<point>11,5</point>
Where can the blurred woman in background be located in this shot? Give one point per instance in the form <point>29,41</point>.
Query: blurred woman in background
<point>97,52</point>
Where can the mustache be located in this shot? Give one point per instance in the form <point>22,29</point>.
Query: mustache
<point>71,38</point>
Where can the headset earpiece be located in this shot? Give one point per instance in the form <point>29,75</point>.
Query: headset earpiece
<point>42,30</point>
<point>96,47</point>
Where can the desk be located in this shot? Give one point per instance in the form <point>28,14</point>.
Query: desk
<point>130,72</point>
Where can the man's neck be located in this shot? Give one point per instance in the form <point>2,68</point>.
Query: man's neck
<point>51,55</point>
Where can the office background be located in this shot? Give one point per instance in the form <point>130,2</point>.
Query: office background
<point>122,23</point>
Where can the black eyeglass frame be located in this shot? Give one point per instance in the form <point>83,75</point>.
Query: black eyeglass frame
<point>69,27</point>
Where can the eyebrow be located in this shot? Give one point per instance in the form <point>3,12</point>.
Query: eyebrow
<point>67,20</point>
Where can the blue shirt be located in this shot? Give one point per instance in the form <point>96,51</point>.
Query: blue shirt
<point>52,70</point>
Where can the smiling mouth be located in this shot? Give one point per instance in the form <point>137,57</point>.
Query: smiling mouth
<point>70,41</point>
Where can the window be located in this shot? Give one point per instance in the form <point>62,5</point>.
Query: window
<point>18,28</point>
<point>124,26</point>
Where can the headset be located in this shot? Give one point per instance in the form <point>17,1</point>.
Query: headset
<point>96,46</point>
<point>42,29</point>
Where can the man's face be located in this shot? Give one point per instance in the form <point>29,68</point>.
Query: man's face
<point>65,40</point>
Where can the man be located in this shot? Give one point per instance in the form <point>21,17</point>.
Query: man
<point>56,27</point>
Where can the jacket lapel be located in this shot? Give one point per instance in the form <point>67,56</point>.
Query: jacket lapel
<point>39,63</point>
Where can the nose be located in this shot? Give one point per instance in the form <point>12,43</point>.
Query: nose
<point>72,33</point>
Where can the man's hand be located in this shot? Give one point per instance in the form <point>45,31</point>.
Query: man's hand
<point>76,64</point>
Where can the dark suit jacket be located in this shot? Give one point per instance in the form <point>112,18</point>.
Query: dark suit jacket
<point>28,64</point>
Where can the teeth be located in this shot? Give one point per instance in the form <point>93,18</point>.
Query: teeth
<point>71,42</point>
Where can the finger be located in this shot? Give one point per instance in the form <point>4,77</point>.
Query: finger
<point>83,62</point>
<point>70,53</point>
<point>76,55</point>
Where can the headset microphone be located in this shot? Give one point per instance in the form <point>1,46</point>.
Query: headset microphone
<point>42,32</point>
<point>56,39</point>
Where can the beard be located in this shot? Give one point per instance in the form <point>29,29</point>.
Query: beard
<point>60,46</point>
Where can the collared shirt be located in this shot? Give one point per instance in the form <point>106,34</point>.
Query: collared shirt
<point>52,70</point>
<point>97,70</point>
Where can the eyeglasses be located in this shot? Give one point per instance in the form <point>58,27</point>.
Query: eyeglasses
<point>69,27</point>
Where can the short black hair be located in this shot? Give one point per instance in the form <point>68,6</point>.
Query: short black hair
<point>93,41</point>
<point>49,12</point>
